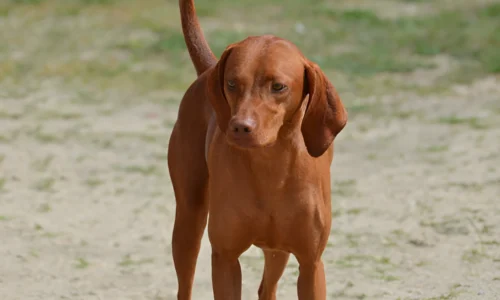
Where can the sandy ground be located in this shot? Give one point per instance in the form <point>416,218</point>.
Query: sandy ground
<point>87,208</point>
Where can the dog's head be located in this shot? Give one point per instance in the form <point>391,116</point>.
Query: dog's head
<point>260,84</point>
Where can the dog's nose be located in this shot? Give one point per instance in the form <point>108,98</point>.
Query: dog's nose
<point>242,126</point>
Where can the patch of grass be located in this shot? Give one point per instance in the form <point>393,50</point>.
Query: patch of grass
<point>355,211</point>
<point>470,35</point>
<point>168,41</point>
<point>11,137</point>
<point>45,138</point>
<point>25,1</point>
<point>359,63</point>
<point>422,263</point>
<point>344,188</point>
<point>403,115</point>
<point>127,261</point>
<point>354,42</point>
<point>418,243</point>
<point>143,170</point>
<point>381,274</point>
<point>437,148</point>
<point>44,208</point>
<point>448,226</point>
<point>352,240</point>
<point>9,115</point>
<point>97,1</point>
<point>473,256</point>
<point>447,296</point>
<point>81,263</point>
<point>41,165</point>
<point>491,243</point>
<point>119,191</point>
<point>356,260</point>
<point>103,143</point>
<point>148,138</point>
<point>50,234</point>
<point>452,294</point>
<point>45,185</point>
<point>399,234</point>
<point>93,182</point>
<point>146,238</point>
<point>472,186</point>
<point>59,115</point>
<point>472,122</point>
<point>220,39</point>
<point>344,293</point>
<point>4,218</point>
<point>361,108</point>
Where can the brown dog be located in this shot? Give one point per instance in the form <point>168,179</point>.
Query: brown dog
<point>252,147</point>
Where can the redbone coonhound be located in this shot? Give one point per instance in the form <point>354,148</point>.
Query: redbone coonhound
<point>252,148</point>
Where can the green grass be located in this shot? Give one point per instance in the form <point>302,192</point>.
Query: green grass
<point>81,263</point>
<point>127,261</point>
<point>143,170</point>
<point>44,208</point>
<point>85,2</point>
<point>436,148</point>
<point>354,43</point>
<point>93,182</point>
<point>357,260</point>
<point>41,165</point>
<point>2,183</point>
<point>448,226</point>
<point>473,256</point>
<point>58,115</point>
<point>391,45</point>
<point>472,122</point>
<point>45,185</point>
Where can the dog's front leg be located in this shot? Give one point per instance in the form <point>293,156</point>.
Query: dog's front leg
<point>226,276</point>
<point>311,284</point>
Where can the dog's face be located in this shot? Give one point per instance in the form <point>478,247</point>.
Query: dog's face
<point>260,84</point>
<point>263,84</point>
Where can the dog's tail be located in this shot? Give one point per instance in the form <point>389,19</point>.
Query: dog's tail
<point>199,50</point>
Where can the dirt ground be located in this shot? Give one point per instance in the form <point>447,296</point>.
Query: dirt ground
<point>87,208</point>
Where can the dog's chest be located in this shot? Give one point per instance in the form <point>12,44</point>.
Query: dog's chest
<point>269,196</point>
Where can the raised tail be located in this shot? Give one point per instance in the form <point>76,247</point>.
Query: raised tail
<point>201,55</point>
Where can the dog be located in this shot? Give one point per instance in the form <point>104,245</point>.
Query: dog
<point>252,148</point>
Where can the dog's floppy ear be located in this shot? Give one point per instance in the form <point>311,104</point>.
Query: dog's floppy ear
<point>325,114</point>
<point>215,91</point>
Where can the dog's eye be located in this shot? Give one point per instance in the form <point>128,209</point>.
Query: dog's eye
<point>231,84</point>
<point>278,87</point>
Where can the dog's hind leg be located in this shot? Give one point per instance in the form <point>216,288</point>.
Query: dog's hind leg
<point>189,177</point>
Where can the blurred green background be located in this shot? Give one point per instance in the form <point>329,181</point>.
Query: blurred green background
<point>139,45</point>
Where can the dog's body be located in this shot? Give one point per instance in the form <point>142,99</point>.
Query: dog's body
<point>253,151</point>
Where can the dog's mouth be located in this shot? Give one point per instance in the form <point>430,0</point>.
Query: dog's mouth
<point>246,141</point>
